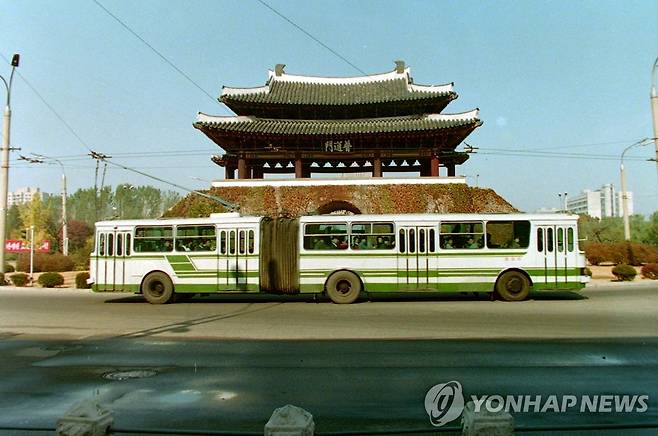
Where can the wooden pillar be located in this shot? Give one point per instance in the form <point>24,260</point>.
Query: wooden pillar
<point>451,170</point>
<point>377,167</point>
<point>298,169</point>
<point>434,166</point>
<point>257,172</point>
<point>243,172</point>
<point>229,172</point>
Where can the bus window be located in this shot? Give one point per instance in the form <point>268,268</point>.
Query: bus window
<point>251,244</point>
<point>540,240</point>
<point>468,235</point>
<point>508,234</point>
<point>110,244</point>
<point>560,239</point>
<point>222,242</point>
<point>231,242</point>
<point>120,244</point>
<point>154,239</point>
<point>325,236</point>
<point>403,244</point>
<point>101,244</point>
<point>412,241</point>
<point>421,240</point>
<point>242,249</point>
<point>127,244</point>
<point>570,239</point>
<point>195,238</point>
<point>432,236</point>
<point>549,240</point>
<point>372,236</point>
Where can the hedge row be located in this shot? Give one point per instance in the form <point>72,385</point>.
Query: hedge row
<point>45,262</point>
<point>630,253</point>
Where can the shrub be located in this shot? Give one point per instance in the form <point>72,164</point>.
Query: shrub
<point>45,262</point>
<point>9,267</point>
<point>51,279</point>
<point>624,272</point>
<point>81,280</point>
<point>650,271</point>
<point>631,253</point>
<point>3,282</point>
<point>19,279</point>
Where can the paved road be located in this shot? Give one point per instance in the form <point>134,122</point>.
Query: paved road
<point>360,385</point>
<point>370,371</point>
<point>614,310</point>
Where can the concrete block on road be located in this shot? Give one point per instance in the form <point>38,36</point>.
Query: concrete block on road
<point>86,418</point>
<point>484,422</point>
<point>290,420</point>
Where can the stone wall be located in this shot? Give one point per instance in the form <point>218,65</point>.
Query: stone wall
<point>294,201</point>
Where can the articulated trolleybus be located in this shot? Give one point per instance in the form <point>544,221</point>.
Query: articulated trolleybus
<point>344,257</point>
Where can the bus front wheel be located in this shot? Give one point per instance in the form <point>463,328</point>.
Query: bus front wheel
<point>157,288</point>
<point>513,286</point>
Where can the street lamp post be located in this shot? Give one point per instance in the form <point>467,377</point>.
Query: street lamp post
<point>654,108</point>
<point>65,232</point>
<point>624,196</point>
<point>4,168</point>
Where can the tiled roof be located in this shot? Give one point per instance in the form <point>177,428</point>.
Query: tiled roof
<point>306,90</point>
<point>247,124</point>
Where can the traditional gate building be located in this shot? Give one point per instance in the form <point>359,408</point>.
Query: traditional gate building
<point>303,125</point>
<point>372,124</point>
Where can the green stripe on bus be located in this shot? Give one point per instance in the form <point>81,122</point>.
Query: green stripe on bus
<point>208,288</point>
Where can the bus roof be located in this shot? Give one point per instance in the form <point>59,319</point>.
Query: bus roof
<point>237,219</point>
<point>444,217</point>
<point>215,218</point>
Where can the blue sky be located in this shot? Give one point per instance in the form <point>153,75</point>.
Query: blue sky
<point>562,76</point>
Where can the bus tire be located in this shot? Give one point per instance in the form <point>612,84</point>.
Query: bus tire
<point>343,287</point>
<point>513,286</point>
<point>157,288</point>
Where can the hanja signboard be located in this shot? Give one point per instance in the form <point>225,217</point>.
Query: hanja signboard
<point>444,403</point>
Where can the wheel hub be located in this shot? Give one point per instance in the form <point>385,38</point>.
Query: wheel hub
<point>343,286</point>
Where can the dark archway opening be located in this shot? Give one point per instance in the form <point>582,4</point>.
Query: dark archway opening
<point>338,207</point>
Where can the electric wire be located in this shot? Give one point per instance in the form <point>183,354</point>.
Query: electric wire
<point>156,51</point>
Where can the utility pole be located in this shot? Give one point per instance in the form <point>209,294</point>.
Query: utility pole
<point>654,108</point>
<point>31,253</point>
<point>4,167</point>
<point>65,233</point>
<point>65,225</point>
<point>624,196</point>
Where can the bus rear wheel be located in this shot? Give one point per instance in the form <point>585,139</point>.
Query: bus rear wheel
<point>513,286</point>
<point>343,287</point>
<point>157,288</point>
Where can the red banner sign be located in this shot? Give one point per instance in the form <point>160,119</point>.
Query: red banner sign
<point>20,246</point>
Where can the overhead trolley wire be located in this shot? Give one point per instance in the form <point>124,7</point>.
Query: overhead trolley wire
<point>156,51</point>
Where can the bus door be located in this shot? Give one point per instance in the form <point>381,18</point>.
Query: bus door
<point>121,250</point>
<point>555,244</point>
<point>416,258</point>
<point>108,261</point>
<point>233,263</point>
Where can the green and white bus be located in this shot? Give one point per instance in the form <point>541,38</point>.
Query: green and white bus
<point>342,256</point>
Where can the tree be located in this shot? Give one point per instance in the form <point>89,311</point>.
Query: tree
<point>14,222</point>
<point>79,232</point>
<point>35,214</point>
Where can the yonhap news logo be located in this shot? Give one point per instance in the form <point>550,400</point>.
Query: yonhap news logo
<point>444,403</point>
